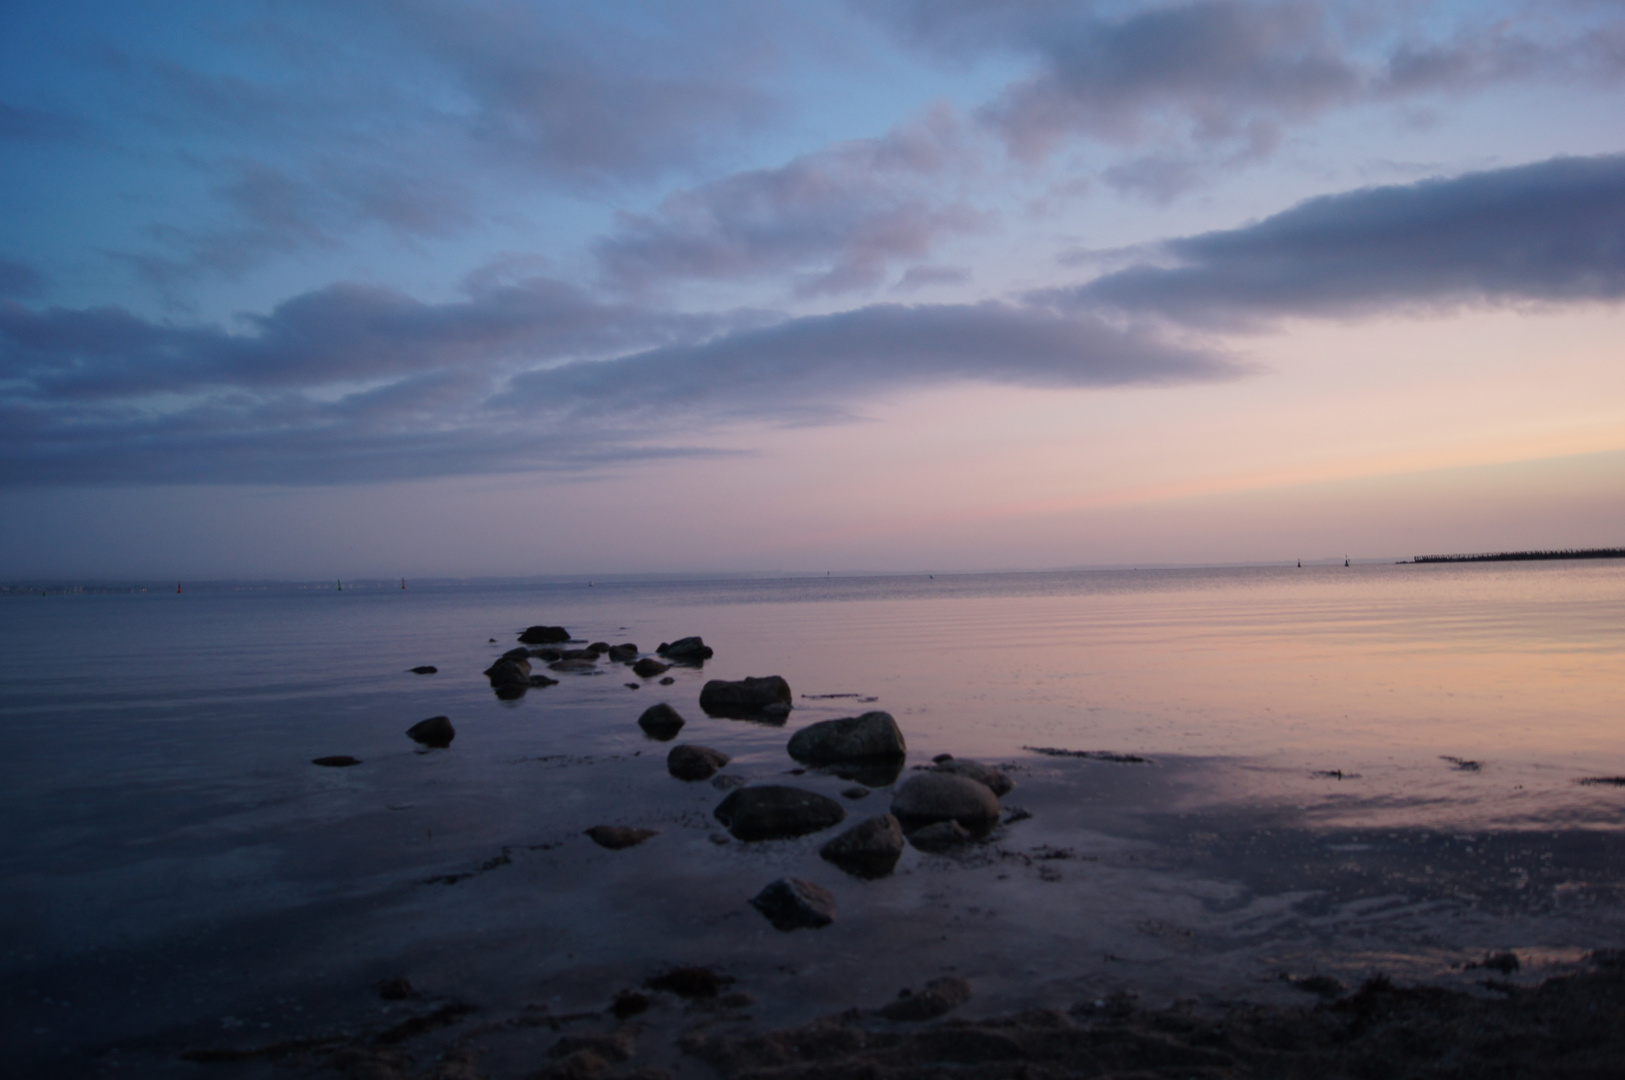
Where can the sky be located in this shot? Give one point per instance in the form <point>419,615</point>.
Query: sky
<point>366,288</point>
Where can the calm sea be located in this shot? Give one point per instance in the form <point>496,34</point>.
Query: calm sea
<point>166,828</point>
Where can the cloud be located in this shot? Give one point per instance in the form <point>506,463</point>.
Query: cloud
<point>921,277</point>
<point>351,384</point>
<point>816,368</point>
<point>22,124</point>
<point>1217,74</point>
<point>19,279</point>
<point>1553,232</point>
<point>836,218</point>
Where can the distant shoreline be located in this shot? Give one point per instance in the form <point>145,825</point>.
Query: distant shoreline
<point>1526,556</point>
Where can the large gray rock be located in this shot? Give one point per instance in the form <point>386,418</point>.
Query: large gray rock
<point>689,762</point>
<point>509,671</point>
<point>660,722</point>
<point>874,736</point>
<point>792,904</point>
<point>689,650</point>
<point>869,849</point>
<point>929,797</point>
<point>775,812</point>
<point>435,731</point>
<point>993,777</point>
<point>763,696</point>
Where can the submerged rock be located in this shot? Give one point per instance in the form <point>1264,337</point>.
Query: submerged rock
<point>580,654</point>
<point>660,722</point>
<point>623,654</point>
<point>435,731</point>
<point>929,797</point>
<point>755,696</point>
<point>542,680</point>
<point>792,904</point>
<point>616,837</point>
<point>544,635</point>
<point>509,671</point>
<point>648,667</point>
<point>991,776</point>
<point>690,762</point>
<point>874,736</point>
<point>940,836</point>
<point>578,667</point>
<point>336,761</point>
<point>869,849</point>
<point>689,650</point>
<point>425,669</point>
<point>775,812</point>
<point>939,996</point>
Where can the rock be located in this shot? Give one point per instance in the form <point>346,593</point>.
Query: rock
<point>693,983</point>
<point>648,667</point>
<point>542,680</point>
<point>544,635</point>
<point>728,783</point>
<point>579,654</point>
<point>598,647</point>
<point>774,812</point>
<point>870,737</point>
<point>611,1046</point>
<point>510,691</point>
<point>940,758</point>
<point>667,681</point>
<point>792,904</point>
<point>928,797</point>
<point>690,762</point>
<point>398,988</point>
<point>509,672</point>
<point>616,837</point>
<point>516,654</point>
<point>869,849</point>
<point>856,791</point>
<point>941,836</point>
<point>991,776</point>
<point>660,722</point>
<point>435,731</point>
<point>623,654</point>
<point>629,1003</point>
<point>425,669</point>
<point>746,698</point>
<point>939,996</point>
<point>547,655</point>
<point>336,761</point>
<point>689,650</point>
<point>579,667</point>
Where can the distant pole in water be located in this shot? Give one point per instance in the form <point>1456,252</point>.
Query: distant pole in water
<point>341,586</point>
<point>177,586</point>
<point>1345,560</point>
<point>403,583</point>
<point>1300,564</point>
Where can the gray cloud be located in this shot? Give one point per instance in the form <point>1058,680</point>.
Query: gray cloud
<point>1217,74</point>
<point>22,124</point>
<point>836,218</point>
<point>19,279</point>
<point>350,384</point>
<point>1553,231</point>
<point>815,368</point>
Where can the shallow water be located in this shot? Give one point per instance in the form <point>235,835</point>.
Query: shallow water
<point>177,871</point>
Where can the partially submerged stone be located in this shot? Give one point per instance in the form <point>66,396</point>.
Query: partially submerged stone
<point>766,696</point>
<point>690,762</point>
<point>929,797</point>
<point>425,669</point>
<point>939,997</point>
<point>792,904</point>
<point>940,836</point>
<point>649,667</point>
<point>874,736</point>
<point>869,849</point>
<point>435,731</point>
<point>991,776</point>
<point>336,761</point>
<point>776,812</point>
<point>616,837</point>
<point>688,650</point>
<point>544,635</point>
<point>660,722</point>
<point>623,654</point>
